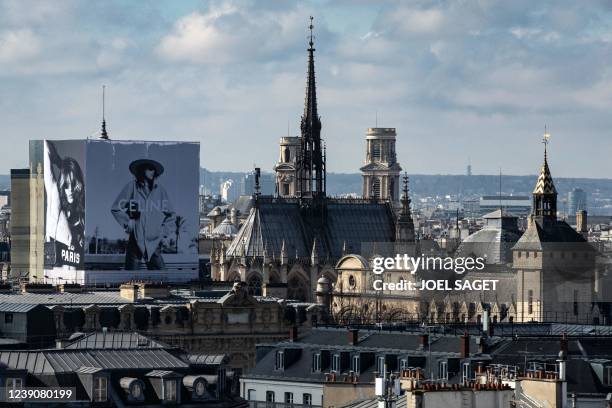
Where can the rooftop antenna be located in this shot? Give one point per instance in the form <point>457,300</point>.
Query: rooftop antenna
<point>500,189</point>
<point>103,134</point>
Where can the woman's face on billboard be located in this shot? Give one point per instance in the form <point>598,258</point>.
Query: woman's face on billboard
<point>149,173</point>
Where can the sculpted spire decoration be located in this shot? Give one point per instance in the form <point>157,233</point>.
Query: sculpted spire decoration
<point>545,193</point>
<point>404,230</point>
<point>310,169</point>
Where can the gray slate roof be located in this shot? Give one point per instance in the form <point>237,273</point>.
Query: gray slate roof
<point>274,220</point>
<point>115,340</point>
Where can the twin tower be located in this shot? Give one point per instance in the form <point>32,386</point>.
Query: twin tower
<point>380,173</point>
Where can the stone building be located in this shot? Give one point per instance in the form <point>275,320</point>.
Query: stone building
<point>291,240</point>
<point>381,170</point>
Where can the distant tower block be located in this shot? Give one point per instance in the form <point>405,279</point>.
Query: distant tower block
<point>381,171</point>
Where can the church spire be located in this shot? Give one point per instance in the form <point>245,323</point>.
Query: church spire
<point>310,167</point>
<point>404,231</point>
<point>103,133</point>
<point>545,193</point>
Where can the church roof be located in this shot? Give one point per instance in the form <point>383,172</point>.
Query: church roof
<point>225,229</point>
<point>345,224</point>
<point>541,234</point>
<point>545,184</point>
<point>494,242</point>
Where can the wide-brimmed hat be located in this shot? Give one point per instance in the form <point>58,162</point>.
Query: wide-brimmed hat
<point>137,165</point>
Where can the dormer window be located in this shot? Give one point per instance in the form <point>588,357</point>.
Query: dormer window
<point>170,390</point>
<point>280,360</point>
<point>355,364</point>
<point>316,362</point>
<point>100,389</point>
<point>380,365</point>
<point>336,363</point>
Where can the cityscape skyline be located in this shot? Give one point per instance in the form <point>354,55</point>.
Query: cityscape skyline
<point>482,89</point>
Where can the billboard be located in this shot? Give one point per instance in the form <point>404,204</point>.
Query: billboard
<point>64,183</point>
<point>121,205</point>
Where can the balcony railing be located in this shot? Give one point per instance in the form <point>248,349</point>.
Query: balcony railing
<point>264,404</point>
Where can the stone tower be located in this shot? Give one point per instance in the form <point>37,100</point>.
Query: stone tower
<point>286,185</point>
<point>381,170</point>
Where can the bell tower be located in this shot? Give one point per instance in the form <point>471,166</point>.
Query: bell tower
<point>381,172</point>
<point>545,193</point>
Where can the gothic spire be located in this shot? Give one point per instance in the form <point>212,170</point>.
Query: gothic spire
<point>404,230</point>
<point>103,133</point>
<point>310,169</point>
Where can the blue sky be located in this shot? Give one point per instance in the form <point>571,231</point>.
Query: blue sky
<point>458,79</point>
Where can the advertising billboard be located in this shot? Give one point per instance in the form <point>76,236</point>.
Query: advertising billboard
<point>142,204</point>
<point>65,204</point>
<point>120,205</point>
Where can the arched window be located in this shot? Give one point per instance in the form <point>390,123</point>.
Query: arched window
<point>254,285</point>
<point>376,188</point>
<point>287,155</point>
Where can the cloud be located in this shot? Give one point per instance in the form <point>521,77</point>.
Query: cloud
<point>18,45</point>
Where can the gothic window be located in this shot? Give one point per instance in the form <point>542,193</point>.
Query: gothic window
<point>254,285</point>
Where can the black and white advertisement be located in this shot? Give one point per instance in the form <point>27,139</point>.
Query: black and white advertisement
<point>65,204</point>
<point>142,204</point>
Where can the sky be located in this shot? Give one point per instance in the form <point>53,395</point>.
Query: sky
<point>460,80</point>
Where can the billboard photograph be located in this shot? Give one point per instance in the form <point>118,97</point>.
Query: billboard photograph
<point>65,204</point>
<point>142,204</point>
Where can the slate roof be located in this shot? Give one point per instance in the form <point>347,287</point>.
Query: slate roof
<point>17,307</point>
<point>115,340</point>
<point>494,241</point>
<point>347,222</point>
<point>66,361</point>
<point>85,298</point>
<point>551,234</point>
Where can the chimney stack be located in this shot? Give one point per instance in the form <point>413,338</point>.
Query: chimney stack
<point>293,333</point>
<point>581,221</point>
<point>563,344</point>
<point>353,337</point>
<point>465,345</point>
<point>424,340</point>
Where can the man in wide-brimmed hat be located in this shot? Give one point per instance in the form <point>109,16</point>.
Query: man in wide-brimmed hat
<point>143,209</point>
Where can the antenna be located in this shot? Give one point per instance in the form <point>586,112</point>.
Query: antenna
<point>103,133</point>
<point>500,189</point>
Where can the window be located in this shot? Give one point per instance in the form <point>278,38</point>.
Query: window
<point>530,302</point>
<point>251,395</point>
<point>14,383</point>
<point>403,364</point>
<point>285,189</point>
<point>351,281</point>
<point>270,396</point>
<point>280,360</point>
<point>100,389</point>
<point>380,366</point>
<point>465,373</point>
<point>355,364</point>
<point>575,302</point>
<point>307,399</point>
<point>170,390</point>
<point>8,318</point>
<point>443,370</point>
<point>316,362</point>
<point>336,363</point>
<point>287,155</point>
<point>289,398</point>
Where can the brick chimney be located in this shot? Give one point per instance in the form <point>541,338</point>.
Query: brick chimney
<point>353,337</point>
<point>423,340</point>
<point>465,345</point>
<point>293,333</point>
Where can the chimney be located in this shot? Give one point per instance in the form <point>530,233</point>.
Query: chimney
<point>424,340</point>
<point>465,345</point>
<point>581,221</point>
<point>353,337</point>
<point>563,344</point>
<point>293,333</point>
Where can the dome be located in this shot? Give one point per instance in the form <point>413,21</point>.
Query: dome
<point>215,212</point>
<point>225,229</point>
